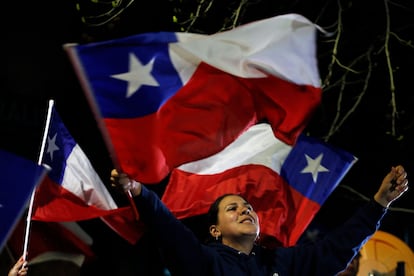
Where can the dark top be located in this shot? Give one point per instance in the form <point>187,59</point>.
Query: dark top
<point>189,256</point>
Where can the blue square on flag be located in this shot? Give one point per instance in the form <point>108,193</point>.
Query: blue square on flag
<point>19,178</point>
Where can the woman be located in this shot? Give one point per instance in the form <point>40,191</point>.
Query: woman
<point>234,228</point>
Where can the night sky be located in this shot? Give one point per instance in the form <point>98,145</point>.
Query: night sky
<point>38,70</point>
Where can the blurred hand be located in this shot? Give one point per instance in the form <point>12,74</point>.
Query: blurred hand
<point>19,268</point>
<point>395,184</point>
<point>122,182</point>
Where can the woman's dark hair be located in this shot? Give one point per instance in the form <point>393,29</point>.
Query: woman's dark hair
<point>212,214</point>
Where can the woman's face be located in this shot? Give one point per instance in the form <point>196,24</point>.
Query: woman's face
<point>237,218</point>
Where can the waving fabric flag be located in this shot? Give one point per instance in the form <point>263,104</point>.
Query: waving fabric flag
<point>165,99</point>
<point>286,184</point>
<point>73,191</point>
<point>64,241</point>
<point>19,177</point>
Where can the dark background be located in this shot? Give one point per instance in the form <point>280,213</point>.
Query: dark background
<point>376,130</point>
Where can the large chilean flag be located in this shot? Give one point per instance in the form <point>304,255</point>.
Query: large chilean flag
<point>286,184</point>
<point>165,99</point>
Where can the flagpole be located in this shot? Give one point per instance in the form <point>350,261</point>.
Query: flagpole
<point>39,162</point>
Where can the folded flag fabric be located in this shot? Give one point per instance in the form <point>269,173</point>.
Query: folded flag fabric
<point>166,99</point>
<point>49,241</point>
<point>286,184</point>
<point>19,176</point>
<point>73,191</point>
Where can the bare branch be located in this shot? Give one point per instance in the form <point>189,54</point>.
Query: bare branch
<point>394,112</point>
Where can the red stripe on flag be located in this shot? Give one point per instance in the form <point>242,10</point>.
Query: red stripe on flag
<point>283,212</point>
<point>51,197</point>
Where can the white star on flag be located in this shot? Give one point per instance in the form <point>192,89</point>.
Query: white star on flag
<point>314,166</point>
<point>137,76</point>
<point>51,146</point>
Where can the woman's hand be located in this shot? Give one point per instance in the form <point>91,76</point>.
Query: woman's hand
<point>395,183</point>
<point>122,182</point>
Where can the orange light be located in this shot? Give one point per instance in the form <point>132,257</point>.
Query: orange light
<point>381,254</point>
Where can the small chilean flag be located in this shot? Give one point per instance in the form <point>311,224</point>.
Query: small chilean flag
<point>73,191</point>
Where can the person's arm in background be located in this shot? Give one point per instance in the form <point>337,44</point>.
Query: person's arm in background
<point>331,254</point>
<point>393,186</point>
<point>181,246</point>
